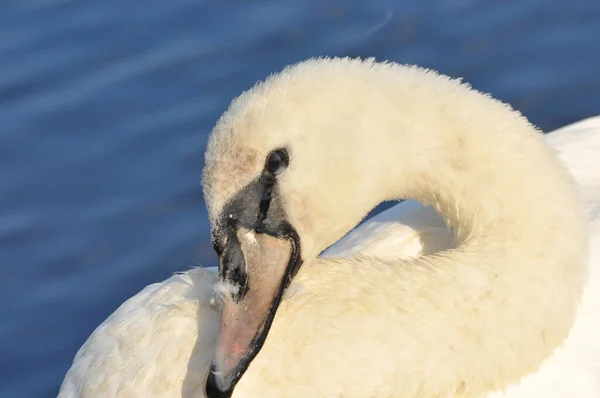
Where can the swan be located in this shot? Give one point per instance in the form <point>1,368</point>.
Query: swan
<point>488,286</point>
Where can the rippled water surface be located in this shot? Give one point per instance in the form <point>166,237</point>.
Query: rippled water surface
<point>105,108</point>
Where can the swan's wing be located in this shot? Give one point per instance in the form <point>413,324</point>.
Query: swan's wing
<point>144,347</point>
<point>579,147</point>
<point>405,230</point>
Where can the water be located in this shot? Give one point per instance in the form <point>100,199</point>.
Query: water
<point>105,107</point>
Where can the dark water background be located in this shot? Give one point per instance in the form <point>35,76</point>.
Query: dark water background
<point>105,107</point>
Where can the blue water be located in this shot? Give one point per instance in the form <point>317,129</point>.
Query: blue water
<point>105,108</point>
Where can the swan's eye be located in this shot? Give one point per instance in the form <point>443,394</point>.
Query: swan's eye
<point>277,161</point>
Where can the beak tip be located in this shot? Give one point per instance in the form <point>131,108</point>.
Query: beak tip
<point>217,386</point>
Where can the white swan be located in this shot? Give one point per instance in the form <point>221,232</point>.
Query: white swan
<point>379,319</point>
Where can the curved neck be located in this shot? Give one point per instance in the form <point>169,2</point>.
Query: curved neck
<point>486,313</point>
<point>496,306</point>
<point>458,323</point>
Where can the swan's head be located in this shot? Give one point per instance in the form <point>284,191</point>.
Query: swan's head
<point>291,166</point>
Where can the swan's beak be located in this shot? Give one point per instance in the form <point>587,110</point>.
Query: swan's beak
<point>254,269</point>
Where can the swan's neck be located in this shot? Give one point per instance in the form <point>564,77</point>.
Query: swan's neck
<point>457,323</point>
<point>478,317</point>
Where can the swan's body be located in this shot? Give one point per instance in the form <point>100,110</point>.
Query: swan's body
<point>353,326</point>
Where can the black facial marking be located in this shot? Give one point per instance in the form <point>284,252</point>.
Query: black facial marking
<point>257,207</point>
<point>217,243</point>
<point>268,184</point>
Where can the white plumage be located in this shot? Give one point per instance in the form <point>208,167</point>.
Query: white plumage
<point>160,342</point>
